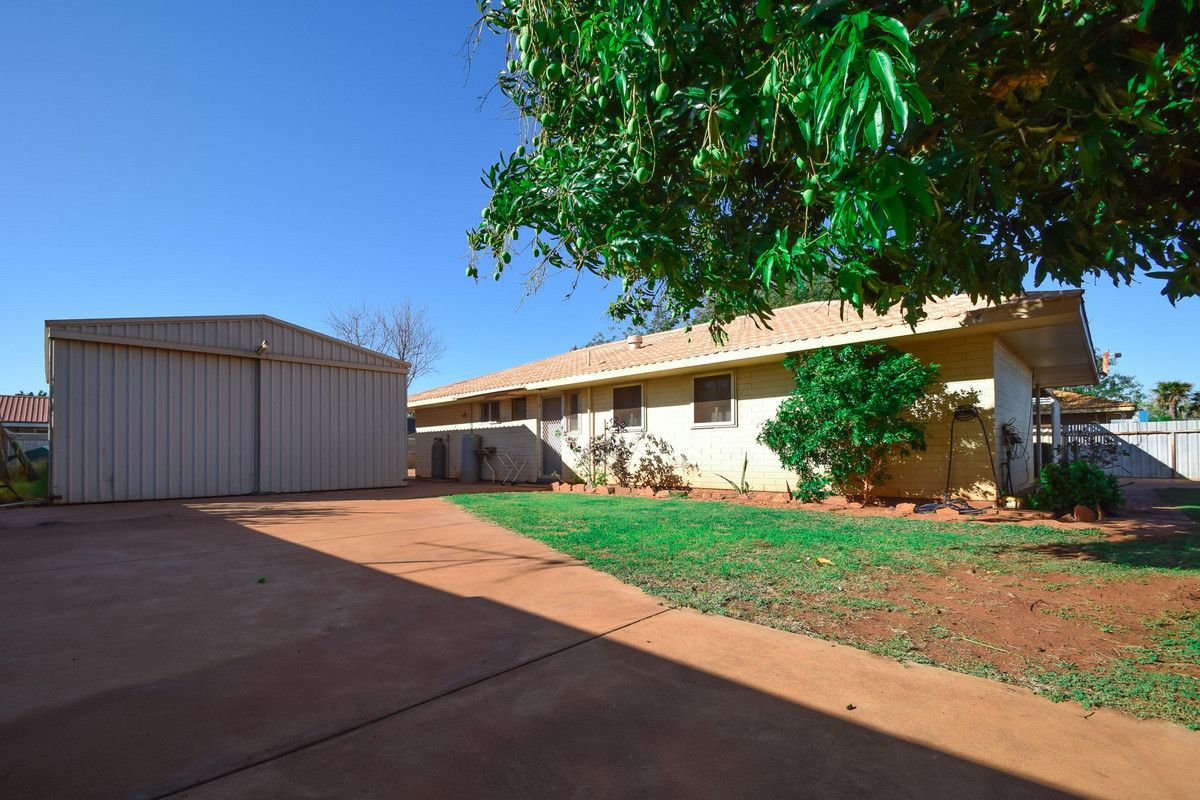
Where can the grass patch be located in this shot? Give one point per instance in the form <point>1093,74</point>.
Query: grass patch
<point>1186,500</point>
<point>1160,680</point>
<point>782,566</point>
<point>28,490</point>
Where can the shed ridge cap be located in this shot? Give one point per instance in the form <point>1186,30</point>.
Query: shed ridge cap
<point>265,318</point>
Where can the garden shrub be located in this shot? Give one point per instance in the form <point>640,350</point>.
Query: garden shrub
<point>1067,484</point>
<point>844,420</point>
<point>610,455</point>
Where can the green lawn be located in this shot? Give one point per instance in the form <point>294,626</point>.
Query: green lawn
<point>28,490</point>
<point>1186,500</point>
<point>785,568</point>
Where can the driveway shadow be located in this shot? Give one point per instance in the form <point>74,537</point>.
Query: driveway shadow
<point>223,662</point>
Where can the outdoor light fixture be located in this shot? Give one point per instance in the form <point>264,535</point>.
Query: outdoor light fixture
<point>262,348</point>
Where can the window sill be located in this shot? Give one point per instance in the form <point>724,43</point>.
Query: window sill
<point>704,425</point>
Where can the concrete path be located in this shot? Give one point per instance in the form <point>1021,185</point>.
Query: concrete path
<point>387,644</point>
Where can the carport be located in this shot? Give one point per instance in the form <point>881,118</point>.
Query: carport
<point>174,407</point>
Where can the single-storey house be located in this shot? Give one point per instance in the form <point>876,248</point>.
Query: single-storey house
<point>709,400</point>
<point>27,419</point>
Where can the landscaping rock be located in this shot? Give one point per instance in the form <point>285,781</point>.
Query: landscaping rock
<point>624,491</point>
<point>559,486</point>
<point>906,508</point>
<point>643,492</point>
<point>1084,514</point>
<point>854,505</point>
<point>662,494</point>
<point>578,488</point>
<point>780,497</point>
<point>835,501</point>
<point>947,513</point>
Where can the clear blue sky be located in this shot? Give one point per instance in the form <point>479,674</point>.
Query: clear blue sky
<point>282,157</point>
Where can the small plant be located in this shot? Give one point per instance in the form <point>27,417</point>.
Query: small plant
<point>603,456</point>
<point>742,487</point>
<point>1067,484</point>
<point>611,455</point>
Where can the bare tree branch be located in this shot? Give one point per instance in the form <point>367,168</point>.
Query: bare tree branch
<point>404,331</point>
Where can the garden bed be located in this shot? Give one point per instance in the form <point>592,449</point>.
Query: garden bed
<point>1103,616</point>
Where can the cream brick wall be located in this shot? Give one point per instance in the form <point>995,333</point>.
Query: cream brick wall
<point>1014,393</point>
<point>966,378</point>
<point>968,365</point>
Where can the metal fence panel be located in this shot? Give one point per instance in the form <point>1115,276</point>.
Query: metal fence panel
<point>1143,449</point>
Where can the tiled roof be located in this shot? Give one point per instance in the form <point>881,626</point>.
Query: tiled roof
<point>798,323</point>
<point>22,408</point>
<point>1077,402</point>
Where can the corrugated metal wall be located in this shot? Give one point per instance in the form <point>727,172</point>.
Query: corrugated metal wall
<point>136,415</point>
<point>1143,449</point>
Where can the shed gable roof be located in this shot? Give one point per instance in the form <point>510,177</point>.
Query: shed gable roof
<point>236,332</point>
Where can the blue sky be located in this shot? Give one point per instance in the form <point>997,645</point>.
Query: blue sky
<point>282,157</point>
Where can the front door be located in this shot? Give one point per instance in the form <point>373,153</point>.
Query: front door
<point>552,437</point>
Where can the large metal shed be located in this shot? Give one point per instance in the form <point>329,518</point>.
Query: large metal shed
<point>162,407</point>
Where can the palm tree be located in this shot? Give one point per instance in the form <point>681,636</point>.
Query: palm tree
<point>1170,394</point>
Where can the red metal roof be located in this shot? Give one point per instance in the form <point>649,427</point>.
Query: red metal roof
<point>22,408</point>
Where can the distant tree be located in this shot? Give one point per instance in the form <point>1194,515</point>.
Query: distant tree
<point>404,331</point>
<point>1170,396</point>
<point>40,393</point>
<point>1114,385</point>
<point>845,420</point>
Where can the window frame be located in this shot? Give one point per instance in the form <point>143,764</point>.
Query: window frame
<point>733,398</point>
<point>483,415</point>
<point>512,408</point>
<point>641,387</point>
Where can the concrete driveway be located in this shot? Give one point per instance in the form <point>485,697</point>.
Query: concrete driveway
<point>387,644</point>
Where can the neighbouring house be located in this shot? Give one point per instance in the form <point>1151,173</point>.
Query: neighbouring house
<point>1075,408</point>
<point>27,419</point>
<point>709,400</point>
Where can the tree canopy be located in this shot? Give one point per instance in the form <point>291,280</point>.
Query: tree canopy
<point>1113,385</point>
<point>716,150</point>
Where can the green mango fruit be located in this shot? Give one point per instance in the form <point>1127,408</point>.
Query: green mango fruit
<point>662,92</point>
<point>642,175</point>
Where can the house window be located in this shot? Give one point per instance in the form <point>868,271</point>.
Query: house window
<point>627,406</point>
<point>518,408</point>
<point>573,415</point>
<point>712,400</point>
<point>490,411</point>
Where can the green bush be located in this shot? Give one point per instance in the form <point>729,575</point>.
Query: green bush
<point>1067,484</point>
<point>845,419</point>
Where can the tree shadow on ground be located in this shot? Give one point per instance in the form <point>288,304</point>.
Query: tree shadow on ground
<point>1181,551</point>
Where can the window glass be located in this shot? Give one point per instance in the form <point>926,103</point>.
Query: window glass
<point>627,406</point>
<point>491,411</point>
<point>518,408</point>
<point>712,399</point>
<point>573,416</point>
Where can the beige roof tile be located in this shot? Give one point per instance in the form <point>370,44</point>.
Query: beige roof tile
<point>1075,402</point>
<point>798,323</point>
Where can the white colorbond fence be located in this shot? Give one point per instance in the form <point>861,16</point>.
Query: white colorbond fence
<point>1142,449</point>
